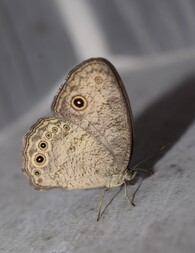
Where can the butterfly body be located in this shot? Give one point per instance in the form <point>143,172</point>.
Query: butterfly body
<point>88,141</point>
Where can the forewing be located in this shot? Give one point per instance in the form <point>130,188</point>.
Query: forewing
<point>103,109</point>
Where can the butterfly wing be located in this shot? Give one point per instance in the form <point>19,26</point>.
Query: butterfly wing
<point>94,98</point>
<point>58,153</point>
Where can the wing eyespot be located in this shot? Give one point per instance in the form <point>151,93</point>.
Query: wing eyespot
<point>40,159</point>
<point>98,79</point>
<point>48,135</point>
<point>66,127</point>
<point>54,129</point>
<point>39,180</point>
<point>37,173</point>
<point>79,103</point>
<point>43,145</point>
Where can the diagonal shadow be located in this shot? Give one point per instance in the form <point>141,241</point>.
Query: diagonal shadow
<point>164,122</point>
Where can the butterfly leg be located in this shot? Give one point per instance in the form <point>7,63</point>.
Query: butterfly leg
<point>130,200</point>
<point>100,204</point>
<point>139,185</point>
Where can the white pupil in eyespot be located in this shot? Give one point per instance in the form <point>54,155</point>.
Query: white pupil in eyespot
<point>40,159</point>
<point>43,145</point>
<point>79,102</point>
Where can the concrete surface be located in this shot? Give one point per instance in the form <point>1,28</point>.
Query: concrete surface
<point>161,88</point>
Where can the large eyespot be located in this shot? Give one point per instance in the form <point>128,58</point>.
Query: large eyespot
<point>98,79</point>
<point>40,159</point>
<point>48,135</point>
<point>43,145</point>
<point>79,103</point>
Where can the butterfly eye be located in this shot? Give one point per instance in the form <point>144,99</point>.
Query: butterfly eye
<point>40,159</point>
<point>98,79</point>
<point>43,145</point>
<point>79,103</point>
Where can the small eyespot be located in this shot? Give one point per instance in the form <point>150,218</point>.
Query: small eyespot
<point>54,129</point>
<point>40,180</point>
<point>66,127</point>
<point>98,79</point>
<point>48,135</point>
<point>40,159</point>
<point>37,173</point>
<point>43,145</point>
<point>79,103</point>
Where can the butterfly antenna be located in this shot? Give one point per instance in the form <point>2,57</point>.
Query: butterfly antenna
<point>147,158</point>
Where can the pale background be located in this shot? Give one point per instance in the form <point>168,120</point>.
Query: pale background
<point>152,44</point>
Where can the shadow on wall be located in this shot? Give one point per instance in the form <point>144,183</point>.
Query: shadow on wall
<point>164,122</point>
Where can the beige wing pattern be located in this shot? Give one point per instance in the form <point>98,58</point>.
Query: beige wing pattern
<point>94,98</point>
<point>56,154</point>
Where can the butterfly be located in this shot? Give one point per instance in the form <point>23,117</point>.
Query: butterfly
<point>88,141</point>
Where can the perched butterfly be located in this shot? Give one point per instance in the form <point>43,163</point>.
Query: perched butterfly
<point>87,143</point>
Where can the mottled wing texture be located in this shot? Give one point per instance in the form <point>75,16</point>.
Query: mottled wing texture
<point>107,115</point>
<point>58,153</point>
